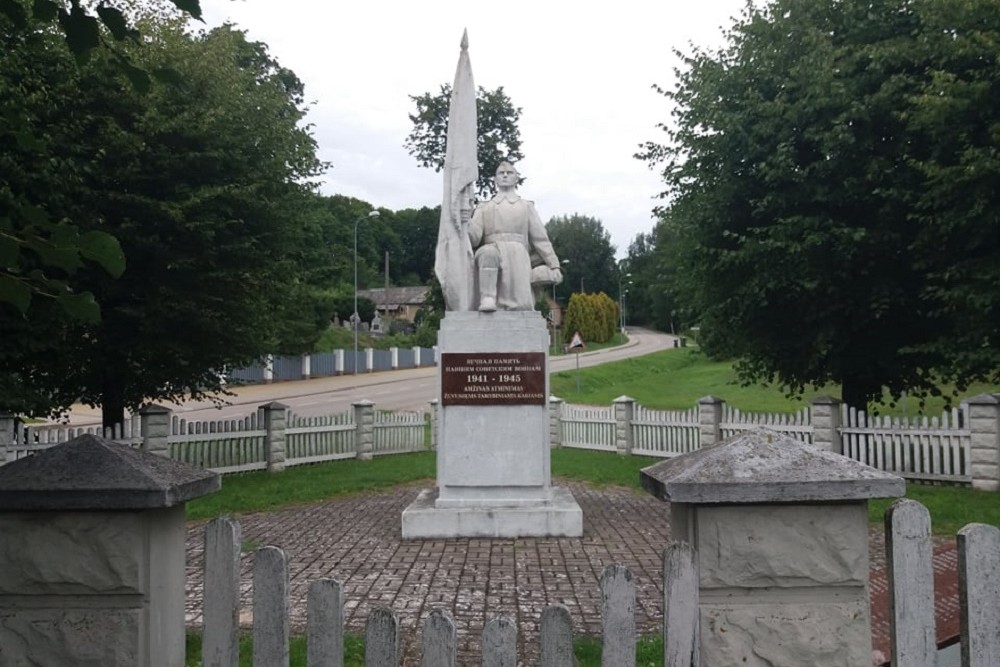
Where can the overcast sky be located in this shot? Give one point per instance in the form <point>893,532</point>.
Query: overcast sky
<point>582,74</point>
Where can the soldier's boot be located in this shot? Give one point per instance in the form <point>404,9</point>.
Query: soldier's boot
<point>487,290</point>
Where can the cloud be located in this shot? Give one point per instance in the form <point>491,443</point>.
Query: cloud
<point>582,75</point>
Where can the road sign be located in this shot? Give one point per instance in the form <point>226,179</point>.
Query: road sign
<point>576,342</point>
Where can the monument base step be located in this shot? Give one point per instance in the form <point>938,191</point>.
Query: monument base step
<point>559,517</point>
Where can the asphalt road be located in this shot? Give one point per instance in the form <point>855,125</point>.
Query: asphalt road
<point>410,389</point>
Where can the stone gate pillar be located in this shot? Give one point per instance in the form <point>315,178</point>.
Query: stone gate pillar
<point>92,555</point>
<point>780,531</point>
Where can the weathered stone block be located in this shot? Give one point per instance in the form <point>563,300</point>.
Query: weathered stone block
<point>761,635</point>
<point>749,546</point>
<point>80,553</point>
<point>82,638</point>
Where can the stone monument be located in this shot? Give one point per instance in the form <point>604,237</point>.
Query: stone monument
<point>493,463</point>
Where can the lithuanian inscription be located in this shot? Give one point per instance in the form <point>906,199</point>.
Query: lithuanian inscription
<point>493,378</point>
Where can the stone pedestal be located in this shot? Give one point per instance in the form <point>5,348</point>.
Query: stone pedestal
<point>92,556</point>
<point>493,464</point>
<point>780,529</point>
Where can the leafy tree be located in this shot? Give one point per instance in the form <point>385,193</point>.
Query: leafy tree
<point>639,278</point>
<point>39,253</point>
<point>499,137</point>
<point>831,178</point>
<point>584,247</point>
<point>376,236</point>
<point>655,297</point>
<point>205,186</point>
<point>594,316</point>
<point>417,232</point>
<point>428,318</point>
<point>342,306</point>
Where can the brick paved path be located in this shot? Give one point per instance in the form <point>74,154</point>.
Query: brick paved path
<point>357,540</point>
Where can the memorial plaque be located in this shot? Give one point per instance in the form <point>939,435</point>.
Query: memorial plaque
<point>493,378</point>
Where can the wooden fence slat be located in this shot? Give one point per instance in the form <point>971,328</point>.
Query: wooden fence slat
<point>556,637</point>
<point>325,624</point>
<point>618,617</point>
<point>500,643</point>
<point>681,647</point>
<point>979,594</point>
<point>909,560</point>
<point>438,645</point>
<point>221,594</point>
<point>382,638</point>
<point>270,608</point>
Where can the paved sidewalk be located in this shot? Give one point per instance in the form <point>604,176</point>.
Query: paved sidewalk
<point>357,540</point>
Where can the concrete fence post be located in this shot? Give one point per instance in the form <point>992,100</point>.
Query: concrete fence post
<point>709,419</point>
<point>369,359</point>
<point>394,358</point>
<point>306,366</point>
<point>624,412</point>
<point>269,369</point>
<point>824,414</point>
<point>155,429</point>
<point>984,424</point>
<point>274,440</point>
<point>271,627</point>
<point>555,422</point>
<point>416,356</point>
<point>556,637</point>
<point>500,643</point>
<point>435,416</point>
<point>364,425</point>
<point>338,362</point>
<point>221,593</point>
<point>325,628</point>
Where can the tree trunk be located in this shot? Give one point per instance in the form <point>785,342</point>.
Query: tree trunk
<point>112,404</point>
<point>859,392</point>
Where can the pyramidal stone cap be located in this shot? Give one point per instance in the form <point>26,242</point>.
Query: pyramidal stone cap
<point>91,473</point>
<point>763,466</point>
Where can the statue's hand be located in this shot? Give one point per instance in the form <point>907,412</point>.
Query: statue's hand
<point>557,276</point>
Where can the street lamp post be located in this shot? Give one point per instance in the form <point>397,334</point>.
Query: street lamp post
<point>555,305</point>
<point>355,318</point>
<point>621,301</point>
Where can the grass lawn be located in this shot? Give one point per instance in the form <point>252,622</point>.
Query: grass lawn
<point>676,379</point>
<point>617,339</point>
<point>649,651</point>
<point>256,491</point>
<point>950,507</point>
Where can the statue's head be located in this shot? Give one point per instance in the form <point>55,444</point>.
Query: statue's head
<point>506,175</point>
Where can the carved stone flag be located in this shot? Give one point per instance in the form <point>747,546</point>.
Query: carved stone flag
<point>453,257</point>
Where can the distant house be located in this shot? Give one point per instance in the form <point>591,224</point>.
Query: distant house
<point>401,303</point>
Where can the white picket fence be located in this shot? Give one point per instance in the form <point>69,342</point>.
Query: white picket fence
<point>796,425</point>
<point>28,439</point>
<point>588,427</point>
<point>919,448</point>
<point>911,581</point>
<point>243,444</point>
<point>222,445</point>
<point>398,432</point>
<point>664,432</point>
<point>316,439</point>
